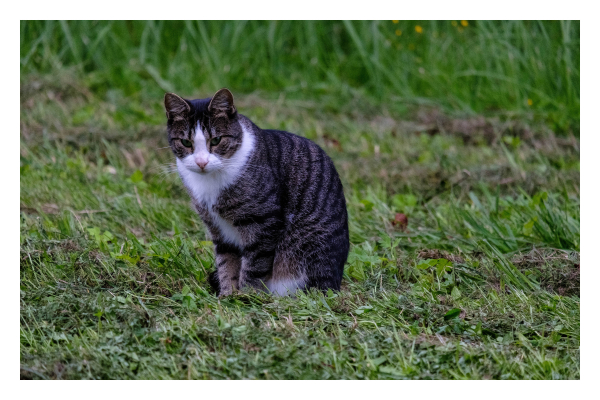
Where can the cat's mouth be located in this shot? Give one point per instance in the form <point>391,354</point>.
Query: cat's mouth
<point>203,171</point>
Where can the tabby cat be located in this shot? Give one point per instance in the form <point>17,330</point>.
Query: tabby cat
<point>271,200</point>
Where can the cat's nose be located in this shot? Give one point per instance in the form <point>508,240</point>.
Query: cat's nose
<point>202,163</point>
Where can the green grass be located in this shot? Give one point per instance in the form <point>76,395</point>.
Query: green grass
<point>491,67</point>
<point>482,283</point>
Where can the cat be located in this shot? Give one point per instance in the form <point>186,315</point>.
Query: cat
<point>272,201</point>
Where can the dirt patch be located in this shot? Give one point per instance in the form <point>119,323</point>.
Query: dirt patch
<point>28,374</point>
<point>428,254</point>
<point>149,283</point>
<point>474,130</point>
<point>70,246</point>
<point>58,88</point>
<point>28,210</point>
<point>563,281</point>
<point>48,208</point>
<point>555,271</point>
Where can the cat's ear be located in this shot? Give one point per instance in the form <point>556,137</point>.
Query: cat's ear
<point>222,102</point>
<point>175,106</point>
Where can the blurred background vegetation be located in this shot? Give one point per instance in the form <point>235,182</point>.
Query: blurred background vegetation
<point>506,68</point>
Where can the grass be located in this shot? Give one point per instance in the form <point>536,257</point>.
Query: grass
<point>491,67</point>
<point>481,283</point>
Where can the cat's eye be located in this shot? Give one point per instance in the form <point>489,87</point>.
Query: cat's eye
<point>186,143</point>
<point>215,141</point>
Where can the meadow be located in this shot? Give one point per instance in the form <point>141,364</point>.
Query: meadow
<point>458,146</point>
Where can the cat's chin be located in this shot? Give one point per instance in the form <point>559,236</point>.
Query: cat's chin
<point>203,172</point>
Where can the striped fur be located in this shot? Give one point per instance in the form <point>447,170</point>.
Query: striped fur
<point>271,200</point>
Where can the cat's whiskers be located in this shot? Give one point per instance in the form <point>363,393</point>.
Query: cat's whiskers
<point>166,169</point>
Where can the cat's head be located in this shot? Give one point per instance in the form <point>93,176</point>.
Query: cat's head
<point>203,134</point>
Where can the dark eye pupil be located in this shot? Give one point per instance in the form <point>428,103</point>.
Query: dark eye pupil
<point>186,143</point>
<point>215,141</point>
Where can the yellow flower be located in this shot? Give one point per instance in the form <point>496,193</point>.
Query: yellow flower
<point>529,102</point>
<point>398,32</point>
<point>418,29</point>
<point>395,21</point>
<point>464,23</point>
<point>454,23</point>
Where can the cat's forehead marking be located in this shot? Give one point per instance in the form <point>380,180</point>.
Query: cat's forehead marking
<point>199,139</point>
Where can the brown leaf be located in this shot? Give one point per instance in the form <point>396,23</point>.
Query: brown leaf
<point>332,142</point>
<point>400,220</point>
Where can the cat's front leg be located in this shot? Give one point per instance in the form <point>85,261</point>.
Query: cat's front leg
<point>229,263</point>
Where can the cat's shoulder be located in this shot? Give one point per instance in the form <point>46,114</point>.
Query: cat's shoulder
<point>284,142</point>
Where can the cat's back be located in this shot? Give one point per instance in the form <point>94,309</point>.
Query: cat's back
<point>294,153</point>
<point>311,185</point>
<point>316,220</point>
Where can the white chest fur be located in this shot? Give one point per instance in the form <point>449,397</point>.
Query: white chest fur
<point>206,187</point>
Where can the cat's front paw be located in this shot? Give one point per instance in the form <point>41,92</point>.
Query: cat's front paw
<point>224,292</point>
